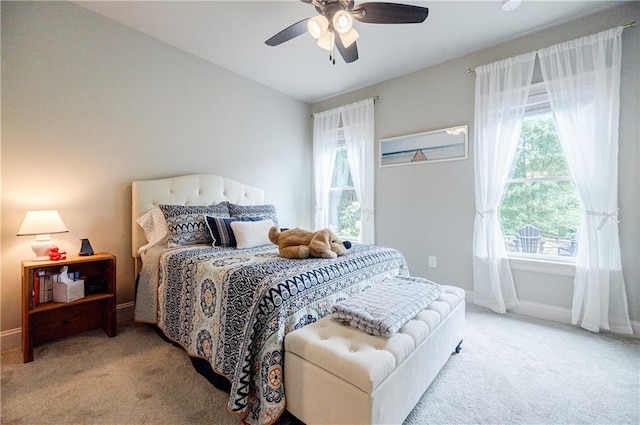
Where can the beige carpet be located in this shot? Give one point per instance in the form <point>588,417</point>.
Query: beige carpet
<point>133,378</point>
<point>512,370</point>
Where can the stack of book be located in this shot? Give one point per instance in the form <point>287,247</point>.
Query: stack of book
<point>48,286</point>
<point>42,289</point>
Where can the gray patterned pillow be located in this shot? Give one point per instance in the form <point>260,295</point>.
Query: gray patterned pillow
<point>265,212</point>
<point>187,224</point>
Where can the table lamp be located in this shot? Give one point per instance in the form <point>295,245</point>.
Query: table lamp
<point>42,224</point>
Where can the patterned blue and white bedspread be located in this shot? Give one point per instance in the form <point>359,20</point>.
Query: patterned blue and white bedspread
<point>234,307</point>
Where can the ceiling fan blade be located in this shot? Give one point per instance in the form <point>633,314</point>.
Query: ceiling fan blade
<point>288,33</point>
<point>389,13</point>
<point>349,54</point>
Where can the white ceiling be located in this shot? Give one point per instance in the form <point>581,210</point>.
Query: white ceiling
<point>231,34</point>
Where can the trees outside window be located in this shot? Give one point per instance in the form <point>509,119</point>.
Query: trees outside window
<point>540,191</point>
<point>343,171</point>
<point>344,208</point>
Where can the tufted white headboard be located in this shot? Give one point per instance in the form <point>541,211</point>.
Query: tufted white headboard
<point>194,189</point>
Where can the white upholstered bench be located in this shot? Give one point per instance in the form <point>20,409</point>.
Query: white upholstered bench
<point>338,374</point>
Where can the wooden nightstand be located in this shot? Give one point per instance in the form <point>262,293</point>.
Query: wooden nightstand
<point>46,321</point>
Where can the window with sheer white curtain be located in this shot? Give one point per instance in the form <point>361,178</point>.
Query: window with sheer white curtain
<point>502,89</point>
<point>343,171</point>
<point>582,81</point>
<point>582,78</point>
<point>344,207</point>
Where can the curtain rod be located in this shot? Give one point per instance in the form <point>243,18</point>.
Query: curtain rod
<point>373,97</point>
<point>629,25</point>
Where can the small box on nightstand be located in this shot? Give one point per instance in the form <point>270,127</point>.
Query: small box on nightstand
<point>67,292</point>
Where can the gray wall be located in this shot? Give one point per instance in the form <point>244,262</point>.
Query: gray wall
<point>89,105</point>
<point>428,209</point>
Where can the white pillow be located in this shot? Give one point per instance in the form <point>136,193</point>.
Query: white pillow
<point>155,228</point>
<point>250,234</point>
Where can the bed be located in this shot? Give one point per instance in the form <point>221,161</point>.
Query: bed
<point>233,306</point>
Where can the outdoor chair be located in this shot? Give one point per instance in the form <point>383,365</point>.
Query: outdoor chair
<point>528,240</point>
<point>567,246</point>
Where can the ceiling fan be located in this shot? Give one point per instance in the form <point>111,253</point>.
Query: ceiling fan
<point>333,26</point>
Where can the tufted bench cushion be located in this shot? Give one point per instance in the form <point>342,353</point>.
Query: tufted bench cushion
<point>338,374</point>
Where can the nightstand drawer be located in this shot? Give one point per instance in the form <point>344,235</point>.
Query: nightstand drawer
<point>53,324</point>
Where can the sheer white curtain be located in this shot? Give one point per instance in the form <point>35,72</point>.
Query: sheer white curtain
<point>325,135</point>
<point>582,78</point>
<point>358,126</point>
<point>501,95</point>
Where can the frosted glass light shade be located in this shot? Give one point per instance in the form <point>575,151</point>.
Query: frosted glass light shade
<point>342,21</point>
<point>349,37</point>
<point>317,26</point>
<point>326,42</point>
<point>42,224</point>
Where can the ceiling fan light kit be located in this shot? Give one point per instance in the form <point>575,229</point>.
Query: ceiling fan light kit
<point>335,17</point>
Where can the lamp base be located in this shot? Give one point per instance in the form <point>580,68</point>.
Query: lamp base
<point>41,246</point>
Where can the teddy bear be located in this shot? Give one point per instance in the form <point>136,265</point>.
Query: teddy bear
<point>300,243</point>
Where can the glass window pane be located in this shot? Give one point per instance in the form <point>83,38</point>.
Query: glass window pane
<point>553,208</point>
<point>539,153</point>
<point>341,170</point>
<point>344,213</point>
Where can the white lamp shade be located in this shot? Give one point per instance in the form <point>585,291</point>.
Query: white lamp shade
<point>317,26</point>
<point>42,224</point>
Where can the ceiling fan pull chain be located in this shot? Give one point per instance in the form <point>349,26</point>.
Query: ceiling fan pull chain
<point>334,48</point>
<point>332,55</point>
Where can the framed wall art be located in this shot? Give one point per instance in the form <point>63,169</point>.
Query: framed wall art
<point>447,144</point>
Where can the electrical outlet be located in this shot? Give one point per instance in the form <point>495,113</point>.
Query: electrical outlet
<point>432,261</point>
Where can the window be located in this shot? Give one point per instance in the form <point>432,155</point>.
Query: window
<point>344,208</point>
<point>540,210</point>
<point>343,171</point>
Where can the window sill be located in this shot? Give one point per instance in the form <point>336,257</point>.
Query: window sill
<point>557,266</point>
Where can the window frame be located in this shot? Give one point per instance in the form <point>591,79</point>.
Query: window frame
<point>340,145</point>
<point>538,104</point>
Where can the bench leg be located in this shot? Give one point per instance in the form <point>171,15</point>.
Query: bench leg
<point>458,347</point>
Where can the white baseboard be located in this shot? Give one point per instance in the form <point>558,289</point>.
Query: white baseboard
<point>125,311</point>
<point>549,312</point>
<point>468,297</point>
<point>543,311</point>
<point>12,338</point>
<point>537,310</point>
